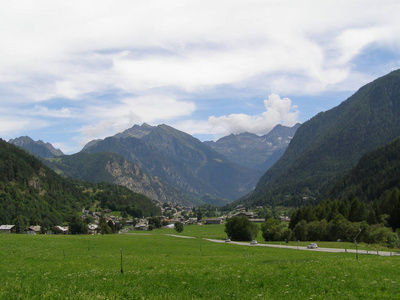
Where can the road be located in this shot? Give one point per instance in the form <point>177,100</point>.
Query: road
<point>334,250</point>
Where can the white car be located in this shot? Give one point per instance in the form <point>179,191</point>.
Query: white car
<point>312,246</point>
<point>227,240</point>
<point>253,242</point>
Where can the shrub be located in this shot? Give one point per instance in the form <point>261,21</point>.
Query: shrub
<point>178,227</point>
<point>241,229</point>
<point>274,230</point>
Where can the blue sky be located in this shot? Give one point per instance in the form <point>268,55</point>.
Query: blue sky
<point>73,71</point>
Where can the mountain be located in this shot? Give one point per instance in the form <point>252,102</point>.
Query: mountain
<point>375,173</point>
<point>182,161</point>
<point>253,151</point>
<point>331,143</point>
<point>136,131</point>
<point>38,148</point>
<point>112,168</point>
<point>31,193</point>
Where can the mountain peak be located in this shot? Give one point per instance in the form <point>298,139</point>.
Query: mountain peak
<point>136,131</point>
<point>253,151</point>
<point>38,148</point>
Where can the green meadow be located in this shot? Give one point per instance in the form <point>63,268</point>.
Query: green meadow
<point>159,266</point>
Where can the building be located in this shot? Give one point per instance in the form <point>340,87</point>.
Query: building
<point>62,230</point>
<point>33,229</point>
<point>7,228</point>
<point>213,221</point>
<point>249,215</point>
<point>142,225</point>
<point>257,220</point>
<point>93,228</point>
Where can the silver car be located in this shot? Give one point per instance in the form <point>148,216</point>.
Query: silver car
<point>312,246</point>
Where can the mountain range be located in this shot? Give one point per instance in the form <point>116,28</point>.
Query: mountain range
<point>182,161</point>
<point>253,151</point>
<point>331,143</point>
<point>169,165</point>
<point>316,164</point>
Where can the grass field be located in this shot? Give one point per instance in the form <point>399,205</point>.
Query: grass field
<point>156,266</point>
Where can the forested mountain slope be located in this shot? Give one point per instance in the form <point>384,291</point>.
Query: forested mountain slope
<point>375,173</point>
<point>331,143</point>
<point>31,193</point>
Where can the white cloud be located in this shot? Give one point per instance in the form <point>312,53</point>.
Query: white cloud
<point>53,113</point>
<point>277,111</point>
<point>11,127</point>
<point>85,50</point>
<point>120,115</point>
<point>207,42</point>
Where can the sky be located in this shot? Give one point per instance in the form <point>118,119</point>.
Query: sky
<point>73,71</point>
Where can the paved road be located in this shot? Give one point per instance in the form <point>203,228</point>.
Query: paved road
<point>335,250</point>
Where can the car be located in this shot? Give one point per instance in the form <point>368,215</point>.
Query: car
<point>227,240</point>
<point>312,246</point>
<point>253,242</point>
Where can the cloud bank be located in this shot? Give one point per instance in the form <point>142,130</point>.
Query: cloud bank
<point>104,65</point>
<point>277,111</point>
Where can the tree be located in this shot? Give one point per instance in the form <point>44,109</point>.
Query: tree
<point>156,221</point>
<point>239,228</point>
<point>77,226</point>
<point>300,231</point>
<point>111,225</point>
<point>104,228</point>
<point>274,230</point>
<point>178,227</point>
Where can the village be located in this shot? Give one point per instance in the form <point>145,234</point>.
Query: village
<point>170,214</point>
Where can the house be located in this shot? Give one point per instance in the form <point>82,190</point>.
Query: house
<point>191,221</point>
<point>213,221</point>
<point>63,230</point>
<point>249,215</point>
<point>285,219</point>
<point>257,220</point>
<point>7,228</point>
<point>142,225</point>
<point>93,228</point>
<point>33,229</point>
